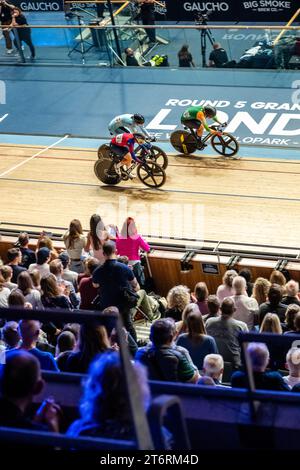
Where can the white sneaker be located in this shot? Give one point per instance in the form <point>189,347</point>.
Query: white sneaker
<point>9,51</point>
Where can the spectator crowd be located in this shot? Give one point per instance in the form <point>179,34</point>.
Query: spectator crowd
<point>194,336</point>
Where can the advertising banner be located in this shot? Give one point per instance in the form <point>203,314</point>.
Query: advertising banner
<point>39,5</point>
<point>232,10</point>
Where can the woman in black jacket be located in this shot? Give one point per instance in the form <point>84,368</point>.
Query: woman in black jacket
<point>21,34</point>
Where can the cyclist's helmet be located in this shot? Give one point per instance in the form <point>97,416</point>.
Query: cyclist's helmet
<point>139,138</point>
<point>210,111</point>
<point>138,118</point>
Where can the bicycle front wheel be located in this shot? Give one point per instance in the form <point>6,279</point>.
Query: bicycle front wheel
<point>225,144</point>
<point>183,142</point>
<point>151,174</point>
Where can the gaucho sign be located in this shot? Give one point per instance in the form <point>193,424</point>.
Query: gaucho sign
<point>232,10</point>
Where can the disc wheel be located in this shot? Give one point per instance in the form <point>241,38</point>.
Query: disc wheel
<point>103,151</point>
<point>183,142</point>
<point>225,145</point>
<point>158,156</point>
<point>151,174</point>
<point>105,172</point>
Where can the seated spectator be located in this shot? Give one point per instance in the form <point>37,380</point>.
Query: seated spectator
<point>10,335</point>
<point>87,291</point>
<point>225,330</point>
<point>56,268</point>
<point>131,61</point>
<point>52,296</point>
<point>246,274</point>
<point>260,290</point>
<point>291,293</point>
<point>225,289</point>
<point>296,330</point>
<point>246,308</point>
<point>7,273</point>
<point>32,295</point>
<point>178,298</point>
<point>4,293</point>
<point>273,304</point>
<point>290,316</point>
<point>96,237</point>
<point>36,278</point>
<point>67,274</point>
<point>277,277</point>
<point>196,340</point>
<point>17,299</point>
<point>213,367</point>
<point>218,57</point>
<point>185,58</point>
<point>75,242</point>
<point>42,262</point>
<point>104,407</point>
<point>93,340</point>
<point>181,326</point>
<point>200,296</point>
<point>259,357</point>
<point>45,241</point>
<point>14,257</point>
<point>29,331</point>
<point>146,305</point>
<point>205,380</point>
<point>112,279</point>
<point>293,366</point>
<point>20,381</point>
<point>271,324</point>
<point>165,360</point>
<point>129,243</point>
<point>28,255</point>
<point>213,306</point>
<point>66,343</point>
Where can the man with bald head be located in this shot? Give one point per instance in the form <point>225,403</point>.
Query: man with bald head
<point>20,381</point>
<point>29,332</point>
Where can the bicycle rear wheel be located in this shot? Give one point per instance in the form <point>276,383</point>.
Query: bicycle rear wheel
<point>225,145</point>
<point>105,171</point>
<point>103,151</point>
<point>151,174</point>
<point>183,142</point>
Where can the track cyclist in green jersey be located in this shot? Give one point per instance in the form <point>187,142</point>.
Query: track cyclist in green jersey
<point>195,118</point>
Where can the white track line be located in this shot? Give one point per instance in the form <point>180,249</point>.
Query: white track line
<point>33,156</point>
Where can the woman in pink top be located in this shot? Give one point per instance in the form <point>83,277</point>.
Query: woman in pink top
<point>129,243</point>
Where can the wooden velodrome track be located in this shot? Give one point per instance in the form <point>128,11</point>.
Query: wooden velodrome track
<point>249,200</point>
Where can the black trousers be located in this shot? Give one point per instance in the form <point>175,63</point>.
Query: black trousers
<point>28,41</point>
<point>128,323</point>
<point>149,20</point>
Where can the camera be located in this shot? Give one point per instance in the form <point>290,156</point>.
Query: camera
<point>202,18</point>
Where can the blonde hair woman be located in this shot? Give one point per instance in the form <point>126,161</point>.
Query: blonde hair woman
<point>225,289</point>
<point>178,298</point>
<point>75,242</point>
<point>260,290</point>
<point>181,326</point>
<point>271,324</point>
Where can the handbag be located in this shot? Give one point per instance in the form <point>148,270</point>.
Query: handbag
<point>129,298</point>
